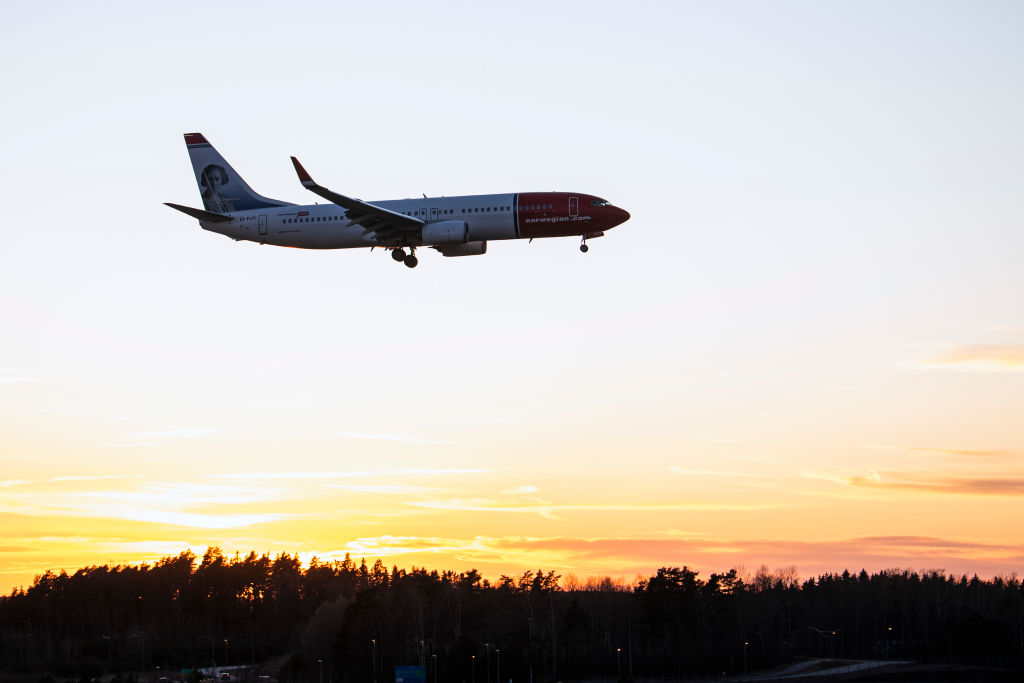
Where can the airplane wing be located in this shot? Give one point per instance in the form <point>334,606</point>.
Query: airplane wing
<point>386,224</point>
<point>200,214</point>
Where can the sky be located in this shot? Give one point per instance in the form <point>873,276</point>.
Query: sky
<point>805,348</point>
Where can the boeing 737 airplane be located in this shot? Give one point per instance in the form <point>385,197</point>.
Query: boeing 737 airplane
<point>454,226</point>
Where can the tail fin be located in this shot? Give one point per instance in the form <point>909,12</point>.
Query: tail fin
<point>223,190</point>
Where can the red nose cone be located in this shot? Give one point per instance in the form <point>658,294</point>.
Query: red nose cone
<point>619,216</point>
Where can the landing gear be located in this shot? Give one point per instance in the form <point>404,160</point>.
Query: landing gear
<point>398,254</point>
<point>410,260</point>
<point>584,248</point>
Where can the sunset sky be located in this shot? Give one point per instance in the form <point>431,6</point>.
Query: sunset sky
<point>806,347</point>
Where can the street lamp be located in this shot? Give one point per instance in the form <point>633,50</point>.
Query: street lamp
<point>213,655</point>
<point>497,654</point>
<point>434,660</point>
<point>473,664</point>
<point>745,644</point>
<point>321,663</point>
<point>618,662</point>
<point>487,649</point>
<point>107,638</point>
<point>373,658</point>
<point>226,661</point>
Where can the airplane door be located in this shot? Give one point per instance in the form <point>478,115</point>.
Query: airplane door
<point>574,206</point>
<point>263,225</point>
<point>423,214</point>
<point>433,214</point>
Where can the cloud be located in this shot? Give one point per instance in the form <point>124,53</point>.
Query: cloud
<point>1002,486</point>
<point>546,509</point>
<point>95,477</point>
<point>390,437</point>
<point>981,357</point>
<point>486,422</point>
<point>153,439</point>
<point>715,473</point>
<point>963,452</point>
<point>643,555</point>
<point>344,475</point>
<point>14,482</point>
<point>382,488</point>
<point>162,503</point>
<point>521,491</point>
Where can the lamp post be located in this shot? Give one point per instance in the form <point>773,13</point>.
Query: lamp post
<point>433,658</point>
<point>888,635</point>
<point>618,663</point>
<point>107,638</point>
<point>497,654</point>
<point>745,644</point>
<point>473,666</point>
<point>487,662</point>
<point>321,663</point>
<point>213,656</point>
<point>226,661</point>
<point>373,658</point>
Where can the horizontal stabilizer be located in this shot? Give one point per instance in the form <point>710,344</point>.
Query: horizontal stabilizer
<point>200,214</point>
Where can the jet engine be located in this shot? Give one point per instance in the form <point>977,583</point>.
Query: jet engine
<point>445,232</point>
<point>467,249</point>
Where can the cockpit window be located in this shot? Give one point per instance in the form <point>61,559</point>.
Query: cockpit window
<point>599,202</point>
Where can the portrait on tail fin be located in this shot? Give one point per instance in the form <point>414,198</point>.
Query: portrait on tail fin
<point>213,178</point>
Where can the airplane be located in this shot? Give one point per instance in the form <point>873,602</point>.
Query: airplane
<point>454,226</point>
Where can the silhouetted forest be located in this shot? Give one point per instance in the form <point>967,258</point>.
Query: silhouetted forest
<point>356,623</point>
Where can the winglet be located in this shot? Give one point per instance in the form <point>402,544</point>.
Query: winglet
<point>304,176</point>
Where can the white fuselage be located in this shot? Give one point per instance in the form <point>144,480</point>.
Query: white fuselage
<point>325,226</point>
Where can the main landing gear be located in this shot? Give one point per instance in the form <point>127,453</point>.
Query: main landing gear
<point>409,259</point>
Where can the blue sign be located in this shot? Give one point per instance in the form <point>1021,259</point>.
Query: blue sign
<point>410,674</point>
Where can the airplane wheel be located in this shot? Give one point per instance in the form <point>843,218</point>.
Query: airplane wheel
<point>398,254</point>
<point>584,248</point>
<point>411,261</point>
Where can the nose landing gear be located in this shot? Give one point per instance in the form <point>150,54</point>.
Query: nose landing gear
<point>583,247</point>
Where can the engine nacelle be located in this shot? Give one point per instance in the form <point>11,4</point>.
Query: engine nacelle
<point>467,249</point>
<point>445,232</point>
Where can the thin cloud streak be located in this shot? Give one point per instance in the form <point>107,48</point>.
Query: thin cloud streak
<point>521,491</point>
<point>173,434</point>
<point>645,554</point>
<point>542,508</point>
<point>715,473</point>
<point>403,438</point>
<point>1004,486</point>
<point>963,452</point>
<point>382,488</point>
<point>981,357</point>
<point>343,475</point>
<point>164,503</point>
<point>95,477</point>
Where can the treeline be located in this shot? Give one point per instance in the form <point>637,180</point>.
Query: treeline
<point>356,623</point>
